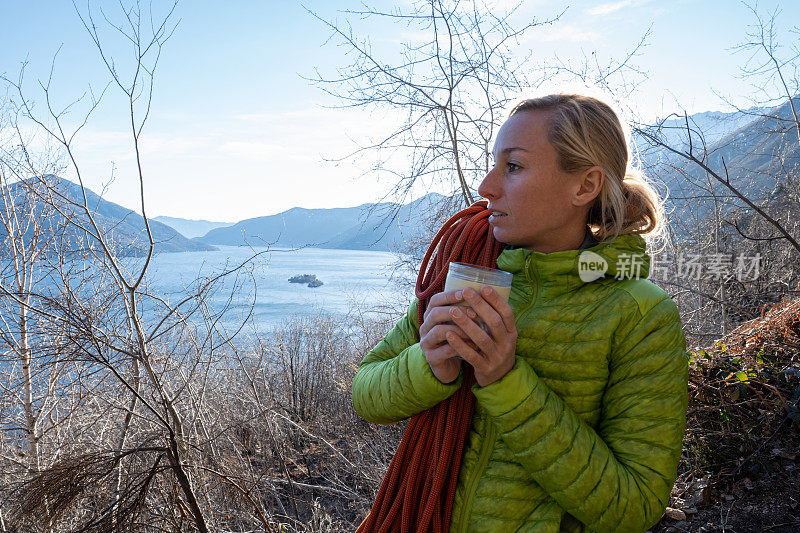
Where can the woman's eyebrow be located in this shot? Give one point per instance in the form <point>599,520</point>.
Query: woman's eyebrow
<point>511,149</point>
<point>508,150</point>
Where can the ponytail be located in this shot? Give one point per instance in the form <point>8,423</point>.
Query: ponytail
<point>627,206</point>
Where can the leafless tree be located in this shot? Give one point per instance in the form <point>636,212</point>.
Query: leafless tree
<point>169,419</point>
<point>29,234</point>
<point>444,92</point>
<point>737,193</point>
<point>449,84</point>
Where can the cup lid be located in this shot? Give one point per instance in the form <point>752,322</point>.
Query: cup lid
<point>480,274</point>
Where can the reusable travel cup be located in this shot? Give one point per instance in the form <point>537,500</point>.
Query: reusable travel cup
<point>463,275</point>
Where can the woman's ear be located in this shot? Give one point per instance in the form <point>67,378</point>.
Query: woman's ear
<point>591,183</point>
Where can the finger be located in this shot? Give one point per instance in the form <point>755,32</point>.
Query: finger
<point>444,298</point>
<point>468,354</point>
<point>437,335</point>
<point>441,315</point>
<point>500,305</point>
<point>433,317</point>
<point>440,333</point>
<point>442,353</point>
<point>487,313</point>
<point>475,332</point>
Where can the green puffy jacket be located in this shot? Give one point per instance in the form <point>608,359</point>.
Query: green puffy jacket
<point>584,433</point>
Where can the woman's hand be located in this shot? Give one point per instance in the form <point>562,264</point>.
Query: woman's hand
<point>497,347</point>
<point>442,358</point>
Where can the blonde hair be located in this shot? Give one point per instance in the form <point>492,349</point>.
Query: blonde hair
<point>586,132</point>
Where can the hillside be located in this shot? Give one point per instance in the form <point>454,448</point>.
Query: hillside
<point>715,125</point>
<point>124,228</point>
<point>365,227</point>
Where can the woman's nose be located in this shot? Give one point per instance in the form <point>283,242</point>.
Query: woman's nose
<point>487,188</point>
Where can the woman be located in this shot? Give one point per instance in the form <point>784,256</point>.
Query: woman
<point>580,381</point>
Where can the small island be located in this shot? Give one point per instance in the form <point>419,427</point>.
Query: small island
<point>310,279</point>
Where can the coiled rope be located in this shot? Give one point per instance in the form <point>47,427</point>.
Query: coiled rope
<point>417,492</point>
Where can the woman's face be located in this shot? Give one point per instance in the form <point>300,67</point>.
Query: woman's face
<point>535,205</point>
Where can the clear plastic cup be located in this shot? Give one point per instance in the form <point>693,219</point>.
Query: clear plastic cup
<point>463,275</point>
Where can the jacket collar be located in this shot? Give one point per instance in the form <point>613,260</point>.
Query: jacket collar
<point>623,257</point>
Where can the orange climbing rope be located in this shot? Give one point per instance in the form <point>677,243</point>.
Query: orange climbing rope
<point>417,492</point>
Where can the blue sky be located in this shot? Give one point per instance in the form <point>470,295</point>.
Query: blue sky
<point>235,132</point>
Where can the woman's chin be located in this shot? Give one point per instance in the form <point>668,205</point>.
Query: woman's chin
<point>499,236</point>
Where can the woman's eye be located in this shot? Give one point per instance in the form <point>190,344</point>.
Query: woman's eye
<point>512,167</point>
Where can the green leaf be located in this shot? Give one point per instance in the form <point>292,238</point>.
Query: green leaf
<point>741,376</point>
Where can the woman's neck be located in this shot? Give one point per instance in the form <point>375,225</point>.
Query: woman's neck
<point>567,239</point>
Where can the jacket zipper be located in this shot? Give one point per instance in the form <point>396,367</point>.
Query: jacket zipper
<point>472,483</point>
<point>533,281</point>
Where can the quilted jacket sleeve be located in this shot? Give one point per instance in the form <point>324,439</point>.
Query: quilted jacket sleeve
<point>618,476</point>
<point>394,381</point>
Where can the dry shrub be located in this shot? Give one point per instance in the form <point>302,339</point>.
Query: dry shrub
<point>48,500</point>
<point>743,397</point>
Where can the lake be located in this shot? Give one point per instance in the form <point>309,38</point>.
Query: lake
<point>350,278</point>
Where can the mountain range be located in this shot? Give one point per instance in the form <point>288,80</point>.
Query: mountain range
<point>714,125</point>
<point>757,157</point>
<point>747,140</point>
<point>728,135</point>
<point>365,227</point>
